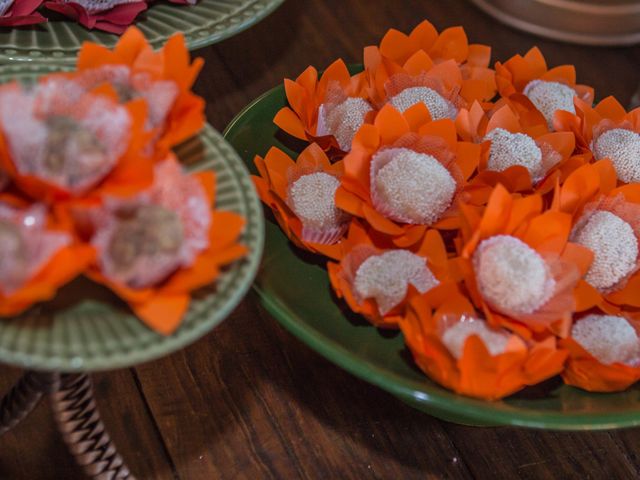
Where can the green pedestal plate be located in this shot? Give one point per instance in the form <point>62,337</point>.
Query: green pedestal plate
<point>86,328</point>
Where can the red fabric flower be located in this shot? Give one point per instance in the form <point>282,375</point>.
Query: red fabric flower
<point>20,13</point>
<point>115,20</point>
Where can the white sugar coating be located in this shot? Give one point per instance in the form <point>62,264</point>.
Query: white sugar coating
<point>94,6</point>
<point>414,187</point>
<point>622,147</point>
<point>343,120</point>
<point>454,337</point>
<point>511,275</point>
<point>614,245</point>
<point>610,339</point>
<point>386,278</point>
<point>549,97</point>
<point>4,6</point>
<point>312,198</point>
<point>509,149</point>
<point>439,107</point>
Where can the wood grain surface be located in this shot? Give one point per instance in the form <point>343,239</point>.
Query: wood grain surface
<point>249,400</point>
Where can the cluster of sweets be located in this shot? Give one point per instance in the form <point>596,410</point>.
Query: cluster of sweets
<point>109,15</point>
<point>89,184</point>
<point>492,214</point>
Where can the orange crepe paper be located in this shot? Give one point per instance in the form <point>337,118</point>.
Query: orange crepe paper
<point>132,173</point>
<point>459,71</point>
<point>513,76</point>
<point>162,307</point>
<point>65,265</point>
<point>591,121</point>
<point>432,248</point>
<point>170,63</point>
<point>593,187</point>
<point>477,373</point>
<point>586,372</point>
<point>557,148</point>
<point>307,92</point>
<point>275,171</point>
<point>413,129</point>
<point>545,232</point>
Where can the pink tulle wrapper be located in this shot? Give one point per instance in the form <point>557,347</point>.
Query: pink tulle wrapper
<point>26,245</point>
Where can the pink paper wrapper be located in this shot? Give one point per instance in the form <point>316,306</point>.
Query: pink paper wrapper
<point>114,20</point>
<point>18,13</point>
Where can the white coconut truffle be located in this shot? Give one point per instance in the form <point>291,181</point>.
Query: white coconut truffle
<point>386,278</point>
<point>511,276</point>
<point>510,149</point>
<point>439,107</point>
<point>312,198</point>
<point>614,245</point>
<point>549,97</point>
<point>412,187</point>
<point>455,337</point>
<point>343,120</point>
<point>622,147</point>
<point>610,339</point>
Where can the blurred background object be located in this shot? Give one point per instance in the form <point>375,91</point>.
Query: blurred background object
<point>589,22</point>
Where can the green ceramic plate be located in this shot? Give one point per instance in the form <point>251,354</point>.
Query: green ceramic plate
<point>88,328</point>
<point>294,287</point>
<point>209,21</point>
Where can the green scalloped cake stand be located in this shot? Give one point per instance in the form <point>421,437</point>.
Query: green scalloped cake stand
<point>295,289</point>
<point>86,328</point>
<point>207,22</point>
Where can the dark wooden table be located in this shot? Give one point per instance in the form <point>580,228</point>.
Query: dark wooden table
<point>251,401</point>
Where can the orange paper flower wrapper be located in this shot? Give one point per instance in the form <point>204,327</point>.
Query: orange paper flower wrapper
<point>40,255</point>
<point>159,291</point>
<point>414,131</point>
<point>163,79</point>
<point>588,190</point>
<point>314,106</point>
<point>357,248</point>
<point>278,173</point>
<point>58,142</point>
<point>445,63</point>
<point>547,235</point>
<point>606,131</point>
<point>556,160</point>
<point>476,373</point>
<point>586,372</point>
<point>517,77</point>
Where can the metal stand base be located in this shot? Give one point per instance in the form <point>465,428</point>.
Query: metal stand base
<point>76,416</point>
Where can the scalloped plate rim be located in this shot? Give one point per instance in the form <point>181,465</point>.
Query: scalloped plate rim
<point>192,44</point>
